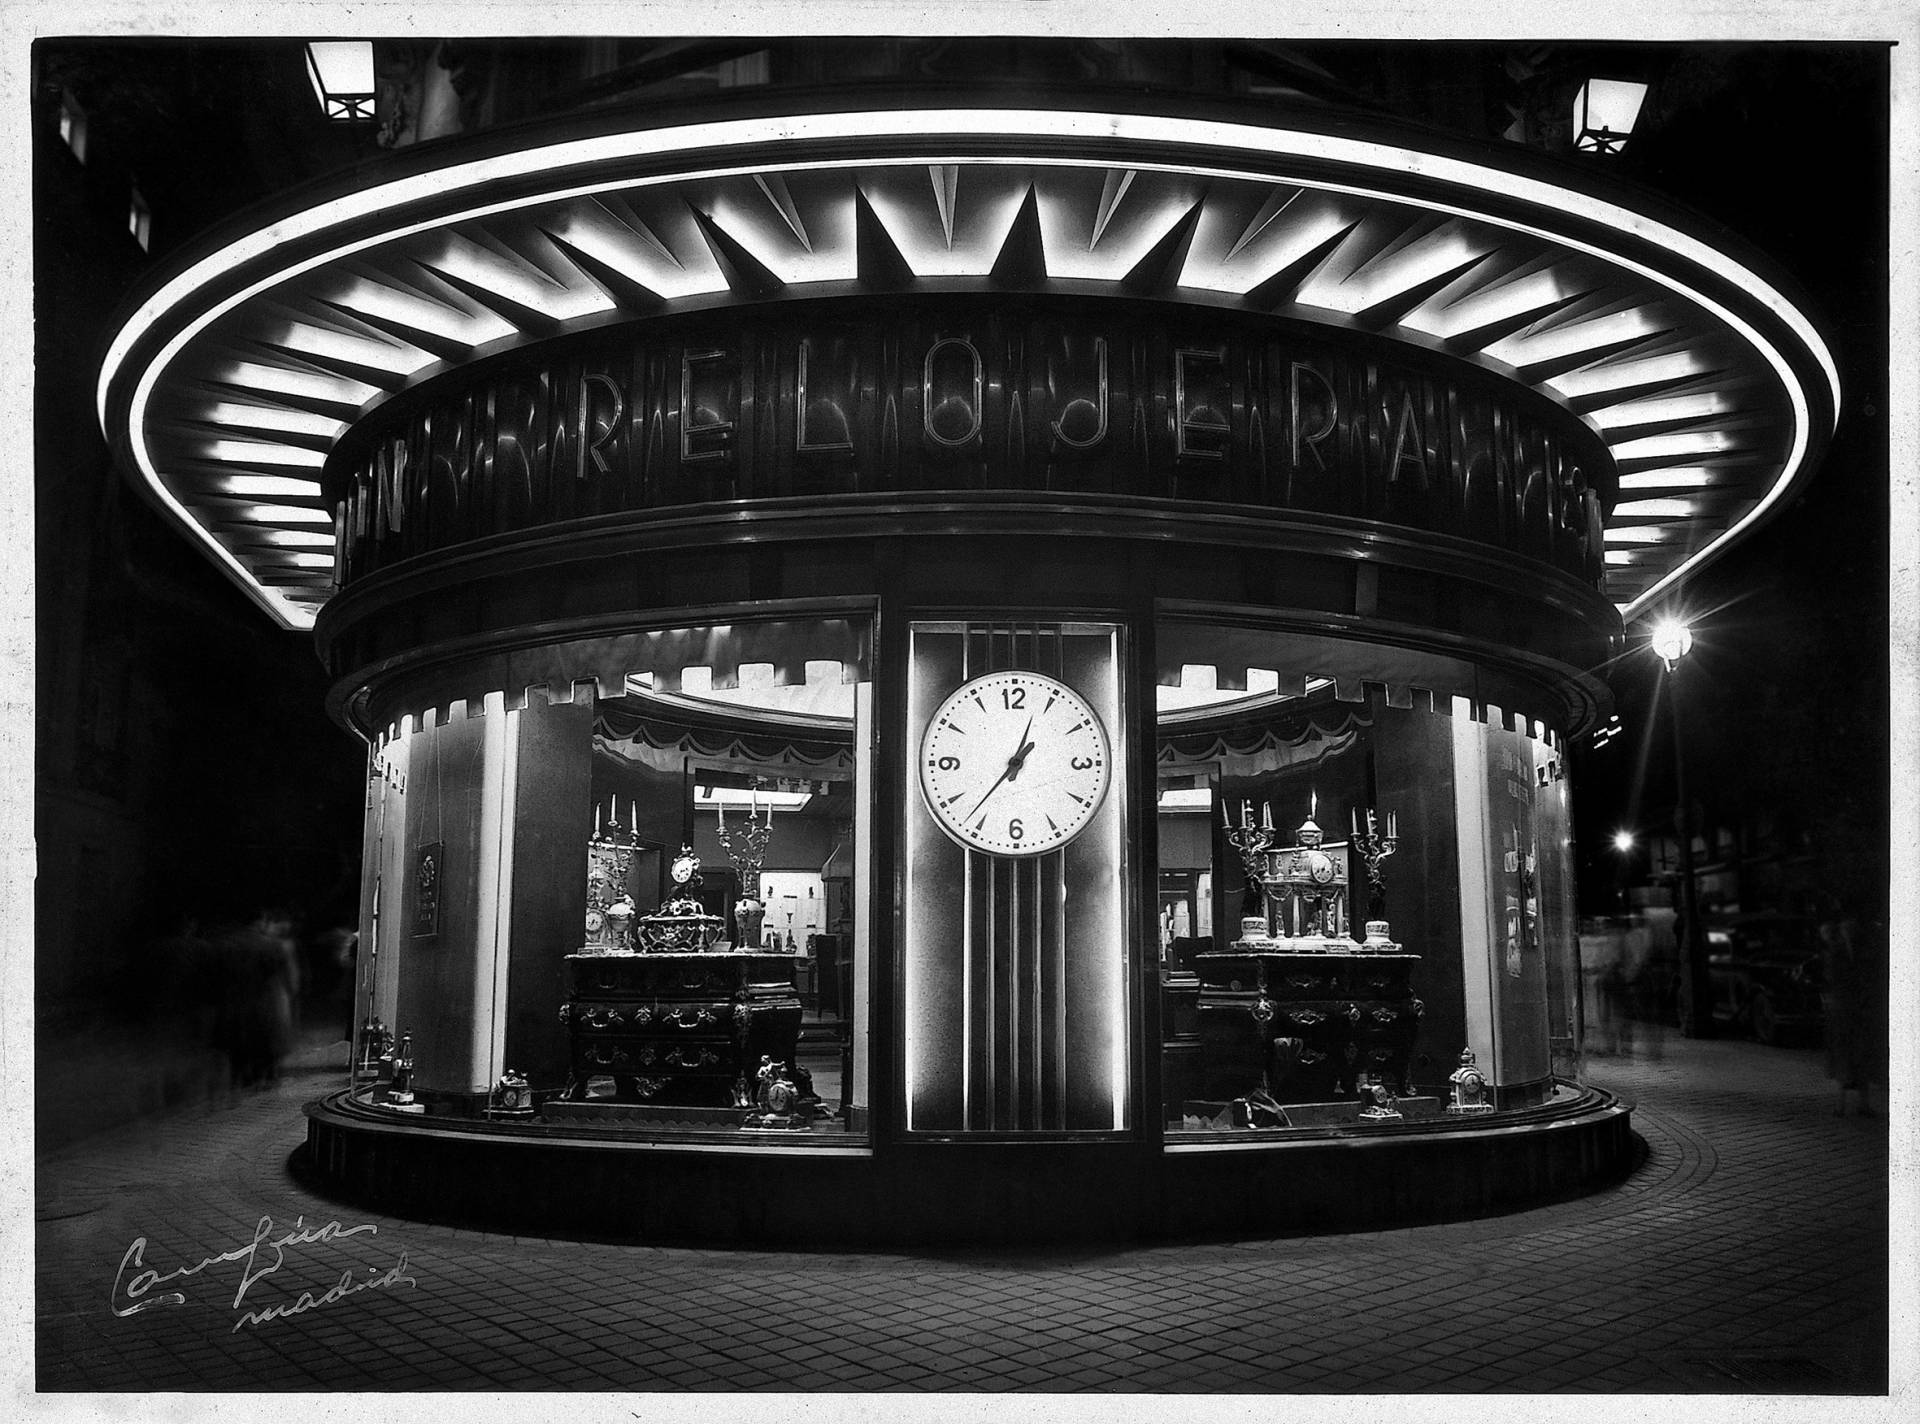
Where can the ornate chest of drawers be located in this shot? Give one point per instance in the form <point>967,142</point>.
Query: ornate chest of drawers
<point>678,1029</point>
<point>1311,1026</point>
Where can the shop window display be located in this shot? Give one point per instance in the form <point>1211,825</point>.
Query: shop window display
<point>647,911</point>
<point>1389,891</point>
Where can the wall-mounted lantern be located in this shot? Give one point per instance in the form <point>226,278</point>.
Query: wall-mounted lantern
<point>342,75</point>
<point>1604,112</point>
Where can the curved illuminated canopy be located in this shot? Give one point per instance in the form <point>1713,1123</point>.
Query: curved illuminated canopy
<point>232,381</point>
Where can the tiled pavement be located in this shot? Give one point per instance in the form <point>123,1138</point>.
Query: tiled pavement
<point>1748,1255</point>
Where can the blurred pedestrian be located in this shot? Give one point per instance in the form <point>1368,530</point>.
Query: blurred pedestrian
<point>1847,996</point>
<point>260,980</point>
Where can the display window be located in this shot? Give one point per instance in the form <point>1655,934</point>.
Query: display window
<point>642,910</point>
<point>1365,898</point>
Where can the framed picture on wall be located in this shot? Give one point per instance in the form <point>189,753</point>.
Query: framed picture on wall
<point>427,880</point>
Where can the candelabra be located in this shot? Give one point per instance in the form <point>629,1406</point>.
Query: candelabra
<point>746,850</point>
<point>1372,848</point>
<point>609,910</point>
<point>1250,842</point>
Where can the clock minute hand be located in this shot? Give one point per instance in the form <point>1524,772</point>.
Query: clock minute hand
<point>1012,768</point>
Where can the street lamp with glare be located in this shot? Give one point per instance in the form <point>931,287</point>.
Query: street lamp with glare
<point>1672,640</point>
<point>1623,841</point>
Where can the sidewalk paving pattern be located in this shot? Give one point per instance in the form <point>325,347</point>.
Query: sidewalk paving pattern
<point>1747,1255</point>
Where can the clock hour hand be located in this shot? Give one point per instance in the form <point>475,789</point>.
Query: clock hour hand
<point>1019,758</point>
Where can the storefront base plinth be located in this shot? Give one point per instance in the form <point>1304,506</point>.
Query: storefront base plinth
<point>551,1181</point>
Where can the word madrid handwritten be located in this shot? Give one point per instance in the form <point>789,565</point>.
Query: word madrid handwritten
<point>263,1255</point>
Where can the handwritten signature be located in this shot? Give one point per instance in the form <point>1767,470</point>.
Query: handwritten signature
<point>263,1255</point>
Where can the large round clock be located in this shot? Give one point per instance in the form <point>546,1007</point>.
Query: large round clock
<point>1014,764</point>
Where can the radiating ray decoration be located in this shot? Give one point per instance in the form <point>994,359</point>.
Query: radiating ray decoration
<point>1112,190</point>
<point>617,212</point>
<point>774,187</point>
<point>251,368</point>
<point>745,273</point>
<point>877,258</point>
<point>1380,274</point>
<point>946,195</point>
<point>532,320</point>
<point>1698,422</point>
<point>272,428</point>
<point>1617,379</point>
<point>1157,273</point>
<point>432,340</point>
<point>1278,201</point>
<point>1281,286</point>
<point>392,302</point>
<point>1023,256</point>
<point>1498,328</point>
<point>1389,309</point>
<point>504,277</point>
<point>320,342</point>
<point>622,288</point>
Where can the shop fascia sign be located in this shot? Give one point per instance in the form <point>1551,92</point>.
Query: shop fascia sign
<point>1160,411</point>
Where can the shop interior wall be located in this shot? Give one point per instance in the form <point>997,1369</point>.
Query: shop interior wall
<point>549,883</point>
<point>436,972</point>
<point>1521,977</point>
<point>1185,843</point>
<point>1413,778</point>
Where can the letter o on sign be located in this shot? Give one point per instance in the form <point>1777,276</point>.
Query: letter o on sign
<point>951,385</point>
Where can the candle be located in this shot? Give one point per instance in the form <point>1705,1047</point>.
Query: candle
<point>720,808</point>
<point>1266,814</point>
<point>1225,819</point>
<point>1313,804</point>
<point>596,818</point>
<point>1353,822</point>
<point>634,808</point>
<point>1393,826</point>
<point>1246,815</point>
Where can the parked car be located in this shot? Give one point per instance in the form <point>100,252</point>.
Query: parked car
<point>1767,976</point>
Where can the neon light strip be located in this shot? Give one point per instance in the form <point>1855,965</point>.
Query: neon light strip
<point>803,129</point>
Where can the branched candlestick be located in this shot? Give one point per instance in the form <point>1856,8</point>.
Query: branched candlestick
<point>609,859</point>
<point>747,849</point>
<point>1372,848</point>
<point>1251,843</point>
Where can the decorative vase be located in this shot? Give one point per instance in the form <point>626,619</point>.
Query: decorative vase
<point>748,915</point>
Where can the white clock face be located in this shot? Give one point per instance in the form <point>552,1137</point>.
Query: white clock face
<point>683,868</point>
<point>1015,764</point>
<point>1319,867</point>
